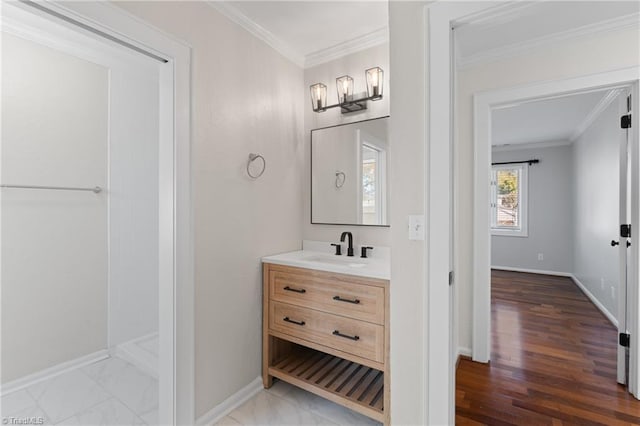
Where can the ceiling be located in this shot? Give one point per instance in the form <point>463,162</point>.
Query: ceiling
<point>531,23</point>
<point>305,28</point>
<point>311,32</point>
<point>559,120</point>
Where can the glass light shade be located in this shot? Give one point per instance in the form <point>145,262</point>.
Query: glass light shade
<point>318,96</point>
<point>374,77</point>
<point>344,85</point>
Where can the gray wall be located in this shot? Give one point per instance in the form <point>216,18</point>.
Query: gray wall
<point>597,164</point>
<point>549,213</point>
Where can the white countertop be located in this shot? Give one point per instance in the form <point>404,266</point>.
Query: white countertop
<point>313,256</point>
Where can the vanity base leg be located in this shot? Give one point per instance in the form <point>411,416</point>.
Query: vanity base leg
<point>274,350</point>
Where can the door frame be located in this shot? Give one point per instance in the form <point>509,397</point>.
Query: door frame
<point>484,102</point>
<point>176,273</point>
<point>440,348</point>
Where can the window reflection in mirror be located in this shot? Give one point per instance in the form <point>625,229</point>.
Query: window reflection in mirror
<point>349,173</point>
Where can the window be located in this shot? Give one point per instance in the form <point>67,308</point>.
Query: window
<point>509,200</point>
<point>371,191</point>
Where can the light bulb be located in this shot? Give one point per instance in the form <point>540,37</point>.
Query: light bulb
<point>374,78</point>
<point>374,83</point>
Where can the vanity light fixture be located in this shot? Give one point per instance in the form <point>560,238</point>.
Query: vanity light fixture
<point>346,99</point>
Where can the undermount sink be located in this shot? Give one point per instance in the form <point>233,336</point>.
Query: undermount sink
<point>335,260</point>
<point>319,255</point>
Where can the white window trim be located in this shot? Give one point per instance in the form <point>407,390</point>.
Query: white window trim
<point>523,202</point>
<point>379,188</point>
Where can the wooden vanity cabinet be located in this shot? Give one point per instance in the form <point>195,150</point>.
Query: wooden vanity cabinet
<point>328,333</point>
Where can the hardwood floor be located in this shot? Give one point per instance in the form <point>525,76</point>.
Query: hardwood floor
<point>553,360</point>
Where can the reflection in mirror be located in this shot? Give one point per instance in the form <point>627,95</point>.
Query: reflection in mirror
<point>349,174</point>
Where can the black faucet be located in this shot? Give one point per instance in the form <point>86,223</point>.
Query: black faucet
<point>350,248</point>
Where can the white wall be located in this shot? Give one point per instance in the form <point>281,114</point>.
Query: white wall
<point>245,98</point>
<point>596,156</point>
<point>133,202</point>
<point>587,55</point>
<point>550,208</point>
<point>407,136</point>
<point>54,243</point>
<point>355,66</point>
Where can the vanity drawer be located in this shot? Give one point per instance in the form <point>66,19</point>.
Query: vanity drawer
<point>359,338</point>
<point>323,291</point>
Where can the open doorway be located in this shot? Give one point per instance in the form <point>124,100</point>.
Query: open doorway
<point>558,193</point>
<point>89,213</point>
<point>589,183</point>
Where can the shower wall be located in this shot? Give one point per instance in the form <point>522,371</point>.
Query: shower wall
<point>79,270</point>
<point>53,243</point>
<point>133,205</point>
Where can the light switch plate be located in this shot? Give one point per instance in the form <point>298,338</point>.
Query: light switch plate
<point>416,227</point>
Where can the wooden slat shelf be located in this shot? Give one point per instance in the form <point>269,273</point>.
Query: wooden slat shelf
<point>348,383</point>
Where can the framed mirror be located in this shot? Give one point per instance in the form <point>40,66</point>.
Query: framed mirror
<point>349,174</point>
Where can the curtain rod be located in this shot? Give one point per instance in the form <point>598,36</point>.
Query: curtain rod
<point>534,161</point>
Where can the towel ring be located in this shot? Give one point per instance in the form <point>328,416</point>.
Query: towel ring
<point>340,178</point>
<point>252,158</point>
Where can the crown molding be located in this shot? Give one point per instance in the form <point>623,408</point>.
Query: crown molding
<point>374,38</point>
<point>496,15</point>
<point>530,145</point>
<point>258,31</point>
<point>614,24</point>
<point>603,104</point>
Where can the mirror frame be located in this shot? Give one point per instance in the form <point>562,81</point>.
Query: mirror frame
<point>311,174</point>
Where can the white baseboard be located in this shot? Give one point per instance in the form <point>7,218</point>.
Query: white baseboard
<point>595,301</point>
<point>134,354</point>
<point>533,271</point>
<point>231,403</point>
<point>464,352</point>
<point>54,371</point>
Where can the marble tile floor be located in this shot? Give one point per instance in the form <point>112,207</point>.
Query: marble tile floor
<point>284,404</point>
<point>114,392</point>
<point>111,392</point>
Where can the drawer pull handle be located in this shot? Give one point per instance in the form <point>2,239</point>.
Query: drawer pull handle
<point>293,321</point>
<point>295,290</point>
<point>346,336</point>
<point>340,299</point>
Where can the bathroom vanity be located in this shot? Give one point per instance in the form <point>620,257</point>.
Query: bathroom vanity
<point>326,327</point>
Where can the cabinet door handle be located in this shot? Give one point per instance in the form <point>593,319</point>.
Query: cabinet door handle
<point>346,336</point>
<point>293,321</point>
<point>340,299</point>
<point>295,290</point>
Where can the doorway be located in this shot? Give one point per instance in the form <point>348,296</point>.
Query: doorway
<point>486,106</point>
<point>152,199</point>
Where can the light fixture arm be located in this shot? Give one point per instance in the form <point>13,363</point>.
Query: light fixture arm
<point>352,105</point>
